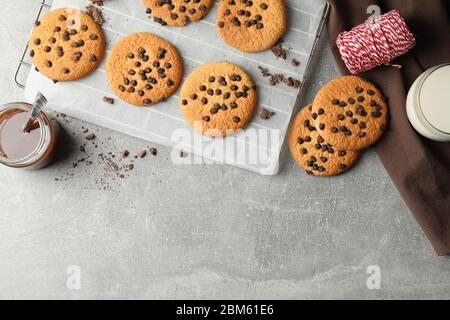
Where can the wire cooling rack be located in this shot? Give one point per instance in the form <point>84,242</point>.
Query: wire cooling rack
<point>25,65</point>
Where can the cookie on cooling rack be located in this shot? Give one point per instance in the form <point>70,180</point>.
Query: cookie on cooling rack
<point>66,45</point>
<point>218,99</point>
<point>251,25</point>
<point>314,153</point>
<point>143,69</point>
<point>350,113</point>
<point>177,13</point>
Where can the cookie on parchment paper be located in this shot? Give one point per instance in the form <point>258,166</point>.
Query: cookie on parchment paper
<point>144,69</point>
<point>177,13</point>
<point>312,152</point>
<point>350,113</point>
<point>218,99</point>
<point>66,45</point>
<point>251,25</point>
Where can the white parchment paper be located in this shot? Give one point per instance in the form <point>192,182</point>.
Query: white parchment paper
<point>257,148</point>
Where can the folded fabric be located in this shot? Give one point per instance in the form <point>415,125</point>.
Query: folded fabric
<point>419,168</point>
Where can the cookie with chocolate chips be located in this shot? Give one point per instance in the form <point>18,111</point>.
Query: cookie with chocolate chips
<point>251,25</point>
<point>312,152</point>
<point>350,113</point>
<point>143,69</point>
<point>177,13</point>
<point>218,99</point>
<point>66,45</point>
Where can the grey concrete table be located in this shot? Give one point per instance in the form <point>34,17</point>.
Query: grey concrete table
<point>202,231</point>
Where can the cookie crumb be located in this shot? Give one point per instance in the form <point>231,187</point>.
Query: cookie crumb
<point>153,151</point>
<point>82,149</point>
<point>108,100</point>
<point>295,62</point>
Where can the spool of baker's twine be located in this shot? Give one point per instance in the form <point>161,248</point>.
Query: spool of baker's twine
<point>376,42</point>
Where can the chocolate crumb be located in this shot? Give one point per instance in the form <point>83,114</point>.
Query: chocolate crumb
<point>153,151</point>
<point>265,114</point>
<point>90,137</point>
<point>183,154</point>
<point>125,153</point>
<point>141,154</point>
<point>108,100</point>
<point>295,62</point>
<point>279,52</point>
<point>95,13</point>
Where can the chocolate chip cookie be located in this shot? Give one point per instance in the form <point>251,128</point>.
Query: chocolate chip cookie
<point>312,152</point>
<point>66,45</point>
<point>143,69</point>
<point>350,113</point>
<point>177,13</point>
<point>251,25</point>
<point>218,99</point>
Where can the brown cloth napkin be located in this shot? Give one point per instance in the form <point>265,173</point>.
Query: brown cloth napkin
<point>420,168</point>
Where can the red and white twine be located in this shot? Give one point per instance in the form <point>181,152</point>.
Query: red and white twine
<point>375,42</point>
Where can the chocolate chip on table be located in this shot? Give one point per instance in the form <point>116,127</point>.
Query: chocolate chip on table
<point>108,100</point>
<point>295,62</point>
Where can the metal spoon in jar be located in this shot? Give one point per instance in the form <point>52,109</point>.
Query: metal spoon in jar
<point>39,103</point>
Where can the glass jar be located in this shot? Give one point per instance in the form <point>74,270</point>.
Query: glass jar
<point>428,103</point>
<point>18,149</point>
